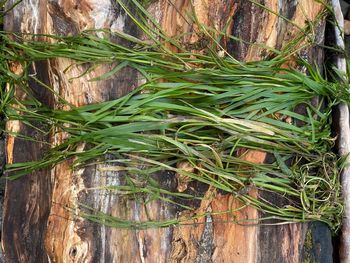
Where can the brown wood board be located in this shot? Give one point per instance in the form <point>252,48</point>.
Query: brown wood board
<point>38,227</point>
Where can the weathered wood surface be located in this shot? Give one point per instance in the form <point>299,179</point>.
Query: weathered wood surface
<point>38,227</point>
<point>341,117</point>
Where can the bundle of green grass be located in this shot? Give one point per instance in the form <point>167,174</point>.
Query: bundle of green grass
<point>194,109</point>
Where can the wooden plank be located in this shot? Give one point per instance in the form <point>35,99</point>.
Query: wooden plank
<point>42,226</point>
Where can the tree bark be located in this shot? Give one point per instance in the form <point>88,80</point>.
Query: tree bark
<point>38,227</point>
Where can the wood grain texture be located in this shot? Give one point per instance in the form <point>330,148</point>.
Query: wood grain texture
<point>342,127</point>
<point>44,230</point>
<point>27,201</point>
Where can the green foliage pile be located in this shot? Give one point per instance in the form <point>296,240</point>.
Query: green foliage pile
<point>194,108</point>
